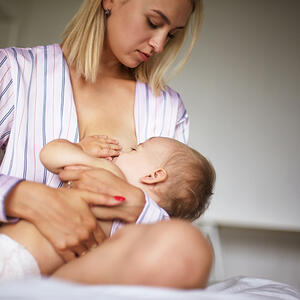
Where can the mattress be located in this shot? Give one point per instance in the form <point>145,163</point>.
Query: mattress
<point>231,289</point>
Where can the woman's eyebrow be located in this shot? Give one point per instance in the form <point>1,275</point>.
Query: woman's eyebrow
<point>166,19</point>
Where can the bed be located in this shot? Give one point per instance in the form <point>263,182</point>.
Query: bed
<point>234,288</point>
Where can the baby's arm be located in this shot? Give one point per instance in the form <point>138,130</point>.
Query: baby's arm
<point>60,153</point>
<point>55,156</point>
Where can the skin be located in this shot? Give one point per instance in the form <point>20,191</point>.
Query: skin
<point>69,225</point>
<point>134,17</point>
<point>145,161</point>
<point>136,166</point>
<point>142,166</point>
<point>150,256</point>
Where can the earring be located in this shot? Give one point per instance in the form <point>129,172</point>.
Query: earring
<point>107,12</point>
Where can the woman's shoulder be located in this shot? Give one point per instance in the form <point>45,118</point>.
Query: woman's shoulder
<point>168,102</point>
<point>173,94</point>
<point>29,53</point>
<point>168,93</point>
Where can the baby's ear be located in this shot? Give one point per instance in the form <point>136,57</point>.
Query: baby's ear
<point>159,175</point>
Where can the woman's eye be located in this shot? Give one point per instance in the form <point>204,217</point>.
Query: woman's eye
<point>133,149</point>
<point>171,36</point>
<point>151,24</point>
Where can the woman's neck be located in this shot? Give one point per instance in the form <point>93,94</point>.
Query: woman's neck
<point>110,66</point>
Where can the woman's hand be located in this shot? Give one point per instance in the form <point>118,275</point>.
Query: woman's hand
<point>104,182</point>
<point>62,215</point>
<point>100,146</point>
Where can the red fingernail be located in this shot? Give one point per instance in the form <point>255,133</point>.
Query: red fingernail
<point>120,198</point>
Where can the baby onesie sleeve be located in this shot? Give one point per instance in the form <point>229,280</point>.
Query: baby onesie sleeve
<point>151,213</point>
<point>7,108</point>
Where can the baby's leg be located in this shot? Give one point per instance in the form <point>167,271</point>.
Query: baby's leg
<point>170,254</point>
<point>26,234</point>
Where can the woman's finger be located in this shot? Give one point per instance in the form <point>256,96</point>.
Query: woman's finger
<point>80,250</point>
<point>91,242</point>
<point>109,214</point>
<point>102,181</point>
<point>70,173</point>
<point>99,235</point>
<point>90,180</point>
<point>77,167</point>
<point>66,255</point>
<point>101,199</point>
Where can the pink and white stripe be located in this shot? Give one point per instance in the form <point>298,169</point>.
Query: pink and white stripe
<point>37,106</point>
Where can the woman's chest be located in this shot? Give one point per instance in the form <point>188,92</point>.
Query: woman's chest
<point>107,112</point>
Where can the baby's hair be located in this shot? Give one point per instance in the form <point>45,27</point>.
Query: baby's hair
<point>191,179</point>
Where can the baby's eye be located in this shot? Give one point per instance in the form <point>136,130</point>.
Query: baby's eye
<point>133,149</point>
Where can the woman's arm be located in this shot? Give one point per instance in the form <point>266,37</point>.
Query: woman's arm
<point>7,109</point>
<point>99,180</point>
<point>47,257</point>
<point>68,223</point>
<point>30,201</point>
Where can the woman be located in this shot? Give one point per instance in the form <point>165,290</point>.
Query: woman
<point>106,78</point>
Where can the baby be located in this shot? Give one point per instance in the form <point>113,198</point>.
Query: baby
<point>176,177</point>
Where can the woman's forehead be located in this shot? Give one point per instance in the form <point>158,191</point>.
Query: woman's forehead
<point>176,12</point>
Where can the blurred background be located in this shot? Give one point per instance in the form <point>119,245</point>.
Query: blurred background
<point>241,88</point>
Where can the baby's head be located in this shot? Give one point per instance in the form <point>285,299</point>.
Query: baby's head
<point>177,177</point>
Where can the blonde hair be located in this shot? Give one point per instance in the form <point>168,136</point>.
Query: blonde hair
<point>83,41</point>
<point>191,178</point>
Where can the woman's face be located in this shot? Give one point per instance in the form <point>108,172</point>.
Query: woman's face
<point>137,29</point>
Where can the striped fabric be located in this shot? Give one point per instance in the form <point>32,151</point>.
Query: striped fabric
<point>150,214</point>
<point>37,106</point>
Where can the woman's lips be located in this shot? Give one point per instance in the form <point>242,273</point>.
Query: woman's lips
<point>144,56</point>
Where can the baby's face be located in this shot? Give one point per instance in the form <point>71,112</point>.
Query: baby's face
<point>144,159</point>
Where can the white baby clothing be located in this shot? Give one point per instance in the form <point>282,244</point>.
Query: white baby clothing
<point>15,261</point>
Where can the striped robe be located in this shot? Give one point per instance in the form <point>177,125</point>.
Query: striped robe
<point>37,106</point>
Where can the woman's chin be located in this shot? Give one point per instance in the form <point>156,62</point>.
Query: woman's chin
<point>131,63</point>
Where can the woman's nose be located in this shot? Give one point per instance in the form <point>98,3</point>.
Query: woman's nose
<point>158,43</point>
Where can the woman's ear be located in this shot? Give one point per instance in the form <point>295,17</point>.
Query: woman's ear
<point>106,4</point>
<point>159,175</point>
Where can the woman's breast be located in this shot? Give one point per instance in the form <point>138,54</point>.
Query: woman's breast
<point>120,128</point>
<point>108,110</point>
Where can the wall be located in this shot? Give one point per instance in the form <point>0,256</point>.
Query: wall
<point>39,21</point>
<point>241,88</point>
<point>243,96</point>
<point>261,253</point>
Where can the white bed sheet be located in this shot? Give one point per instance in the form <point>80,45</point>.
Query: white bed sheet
<point>231,289</point>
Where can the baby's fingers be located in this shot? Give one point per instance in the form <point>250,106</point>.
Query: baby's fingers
<point>107,152</point>
<point>104,139</point>
<point>113,147</point>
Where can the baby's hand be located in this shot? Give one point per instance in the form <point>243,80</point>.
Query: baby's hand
<point>100,146</point>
